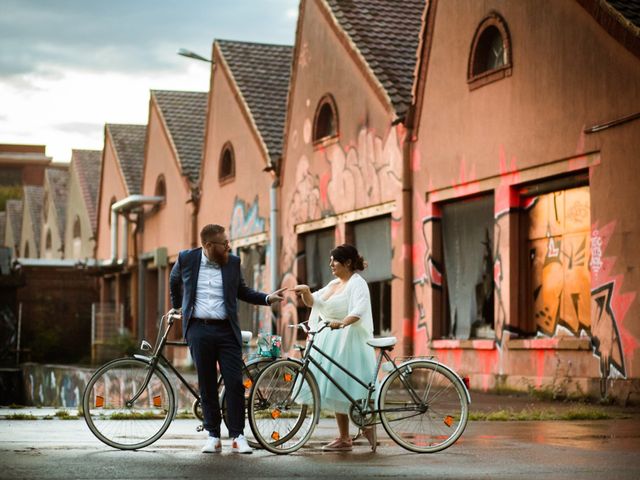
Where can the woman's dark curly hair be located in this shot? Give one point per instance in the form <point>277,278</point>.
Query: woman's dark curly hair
<point>345,253</point>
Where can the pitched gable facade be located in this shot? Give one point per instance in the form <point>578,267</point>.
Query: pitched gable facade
<point>31,221</point>
<point>344,149</point>
<point>54,211</point>
<point>81,218</point>
<point>247,105</point>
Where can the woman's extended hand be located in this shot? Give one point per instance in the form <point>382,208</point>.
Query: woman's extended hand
<point>301,289</point>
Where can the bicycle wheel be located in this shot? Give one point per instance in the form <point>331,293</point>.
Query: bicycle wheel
<point>424,406</point>
<point>113,418</point>
<point>249,376</point>
<point>284,407</point>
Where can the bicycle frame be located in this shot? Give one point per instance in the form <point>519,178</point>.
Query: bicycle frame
<point>307,359</point>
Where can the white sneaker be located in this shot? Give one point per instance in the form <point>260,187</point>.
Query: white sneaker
<point>213,445</point>
<point>240,445</point>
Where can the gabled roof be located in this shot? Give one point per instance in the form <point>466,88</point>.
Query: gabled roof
<point>58,180</point>
<point>14,217</point>
<point>33,196</point>
<point>386,33</point>
<point>620,18</point>
<point>628,9</point>
<point>262,73</point>
<point>185,115</point>
<point>87,166</point>
<point>128,141</point>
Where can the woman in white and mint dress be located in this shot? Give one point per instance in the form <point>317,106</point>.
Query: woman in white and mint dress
<point>345,304</point>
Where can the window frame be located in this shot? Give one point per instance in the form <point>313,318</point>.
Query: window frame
<point>224,178</point>
<point>326,100</point>
<point>478,80</point>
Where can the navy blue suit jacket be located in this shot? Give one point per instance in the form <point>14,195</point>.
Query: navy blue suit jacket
<point>184,280</point>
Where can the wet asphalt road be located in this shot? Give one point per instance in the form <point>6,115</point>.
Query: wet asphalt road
<point>66,449</point>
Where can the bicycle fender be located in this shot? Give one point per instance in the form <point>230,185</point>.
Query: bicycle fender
<point>144,358</point>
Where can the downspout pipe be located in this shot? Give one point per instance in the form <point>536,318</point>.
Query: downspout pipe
<point>407,234</point>
<point>122,206</point>
<point>273,231</point>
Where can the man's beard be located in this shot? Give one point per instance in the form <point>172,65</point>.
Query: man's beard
<point>221,258</point>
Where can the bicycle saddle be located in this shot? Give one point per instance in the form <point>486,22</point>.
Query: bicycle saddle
<point>382,342</point>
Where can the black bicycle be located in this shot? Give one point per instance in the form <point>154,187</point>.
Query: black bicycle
<point>129,402</point>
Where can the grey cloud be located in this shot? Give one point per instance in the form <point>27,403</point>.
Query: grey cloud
<point>125,35</point>
<point>84,128</point>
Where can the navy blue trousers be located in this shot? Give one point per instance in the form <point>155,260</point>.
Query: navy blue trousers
<point>212,345</point>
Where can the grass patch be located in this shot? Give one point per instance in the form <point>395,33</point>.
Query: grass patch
<point>534,414</point>
<point>64,415</point>
<point>136,416</point>
<point>185,415</point>
<point>21,416</point>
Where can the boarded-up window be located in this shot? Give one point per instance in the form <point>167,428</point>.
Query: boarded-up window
<point>373,241</point>
<point>317,249</point>
<point>252,261</point>
<point>559,245</point>
<point>467,231</point>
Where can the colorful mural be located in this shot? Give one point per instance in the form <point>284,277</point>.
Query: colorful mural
<point>245,220</point>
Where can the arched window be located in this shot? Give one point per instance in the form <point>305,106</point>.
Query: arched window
<point>227,165</point>
<point>76,243</point>
<point>160,191</point>
<point>48,245</point>
<point>26,249</point>
<point>490,56</point>
<point>77,229</point>
<point>325,122</point>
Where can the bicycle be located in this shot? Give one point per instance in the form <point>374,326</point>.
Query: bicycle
<point>129,402</point>
<point>422,404</point>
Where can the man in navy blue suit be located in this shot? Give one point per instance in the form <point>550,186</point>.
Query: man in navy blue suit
<point>205,285</point>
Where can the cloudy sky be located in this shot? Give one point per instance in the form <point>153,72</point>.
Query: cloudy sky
<point>67,67</point>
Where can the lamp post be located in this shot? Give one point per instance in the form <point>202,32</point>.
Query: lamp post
<point>189,54</point>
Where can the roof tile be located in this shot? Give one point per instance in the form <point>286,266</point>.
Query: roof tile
<point>128,141</point>
<point>87,165</point>
<point>262,73</point>
<point>387,35</point>
<point>58,180</point>
<point>185,114</point>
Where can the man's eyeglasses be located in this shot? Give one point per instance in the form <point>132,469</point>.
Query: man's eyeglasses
<point>224,244</point>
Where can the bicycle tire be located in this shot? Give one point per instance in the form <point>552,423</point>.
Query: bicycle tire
<point>437,420</point>
<point>122,426</point>
<point>253,368</point>
<point>282,425</point>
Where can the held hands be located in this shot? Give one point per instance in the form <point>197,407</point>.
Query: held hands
<point>301,290</point>
<point>275,296</point>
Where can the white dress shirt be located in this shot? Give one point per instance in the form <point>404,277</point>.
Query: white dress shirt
<point>209,291</point>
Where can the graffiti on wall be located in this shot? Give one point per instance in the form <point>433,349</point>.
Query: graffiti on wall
<point>559,247</point>
<point>245,220</point>
<point>338,179</point>
<point>609,306</point>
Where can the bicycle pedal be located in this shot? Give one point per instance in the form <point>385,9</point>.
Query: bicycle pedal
<point>200,428</point>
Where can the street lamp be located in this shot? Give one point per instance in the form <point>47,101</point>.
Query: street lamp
<point>189,54</point>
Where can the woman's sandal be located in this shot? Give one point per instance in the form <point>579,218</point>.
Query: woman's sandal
<point>371,435</point>
<point>338,445</point>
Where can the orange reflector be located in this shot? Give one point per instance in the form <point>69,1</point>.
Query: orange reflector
<point>248,383</point>
<point>99,401</point>
<point>287,377</point>
<point>448,420</point>
<point>275,414</point>
<point>157,401</point>
<point>275,436</point>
